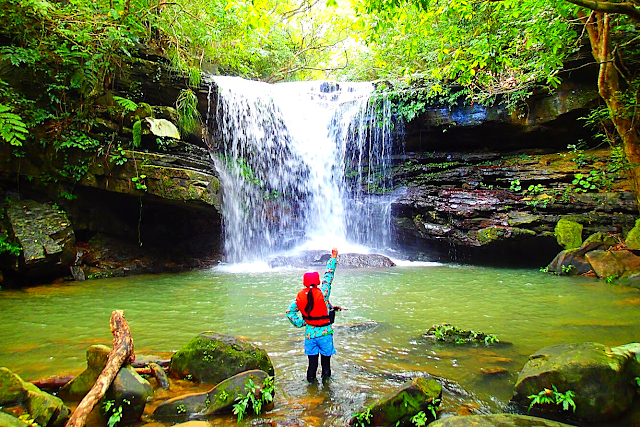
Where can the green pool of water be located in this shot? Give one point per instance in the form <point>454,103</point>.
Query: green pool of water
<point>45,330</point>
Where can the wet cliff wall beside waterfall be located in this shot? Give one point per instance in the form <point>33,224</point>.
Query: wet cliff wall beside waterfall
<point>486,185</point>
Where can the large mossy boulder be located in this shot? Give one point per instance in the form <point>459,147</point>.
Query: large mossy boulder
<point>128,389</point>
<point>44,409</point>
<point>633,237</point>
<point>601,377</point>
<point>211,357</point>
<point>496,420</point>
<point>218,400</point>
<point>398,407</point>
<point>7,420</point>
<point>568,233</point>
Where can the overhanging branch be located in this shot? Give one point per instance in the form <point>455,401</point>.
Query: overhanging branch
<point>629,8</point>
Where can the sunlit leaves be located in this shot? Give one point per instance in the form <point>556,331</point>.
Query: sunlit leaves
<point>491,47</point>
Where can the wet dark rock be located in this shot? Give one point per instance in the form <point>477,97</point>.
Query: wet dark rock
<point>320,258</point>
<point>43,408</point>
<point>211,357</point>
<point>478,207</point>
<point>127,386</point>
<point>219,400</point>
<point>46,236</point>
<point>574,262</point>
<point>616,264</point>
<point>496,420</point>
<point>398,407</point>
<point>548,120</point>
<point>601,377</point>
<point>130,392</point>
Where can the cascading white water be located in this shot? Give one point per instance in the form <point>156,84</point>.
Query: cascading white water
<point>294,162</point>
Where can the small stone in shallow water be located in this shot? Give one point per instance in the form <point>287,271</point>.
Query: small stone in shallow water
<point>493,370</point>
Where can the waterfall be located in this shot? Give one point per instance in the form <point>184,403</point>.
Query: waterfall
<point>297,163</point>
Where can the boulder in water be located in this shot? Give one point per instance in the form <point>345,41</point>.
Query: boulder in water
<point>415,396</point>
<point>128,390</point>
<point>454,335</point>
<point>601,377</point>
<point>319,258</point>
<point>218,400</point>
<point>568,233</point>
<point>45,409</point>
<point>211,357</point>
<point>502,420</point>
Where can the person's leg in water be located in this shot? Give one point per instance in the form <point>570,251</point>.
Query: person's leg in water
<point>313,368</point>
<point>326,366</point>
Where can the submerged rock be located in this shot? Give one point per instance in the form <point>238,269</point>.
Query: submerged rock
<point>211,357</point>
<point>501,420</point>
<point>601,377</point>
<point>452,334</point>
<point>219,400</point>
<point>44,409</point>
<point>414,396</point>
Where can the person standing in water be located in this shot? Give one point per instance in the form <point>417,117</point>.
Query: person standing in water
<point>312,309</point>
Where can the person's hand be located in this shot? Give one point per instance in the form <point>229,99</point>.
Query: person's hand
<point>334,253</point>
<point>337,308</point>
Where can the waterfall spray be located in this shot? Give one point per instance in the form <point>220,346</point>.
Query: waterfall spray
<point>297,164</point>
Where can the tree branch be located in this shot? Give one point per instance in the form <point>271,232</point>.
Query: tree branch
<point>629,8</point>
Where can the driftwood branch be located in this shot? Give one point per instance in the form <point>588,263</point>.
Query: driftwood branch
<point>122,352</point>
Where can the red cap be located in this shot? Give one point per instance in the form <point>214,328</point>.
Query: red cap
<point>312,278</point>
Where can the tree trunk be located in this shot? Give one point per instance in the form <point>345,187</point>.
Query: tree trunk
<point>121,352</point>
<point>598,25</point>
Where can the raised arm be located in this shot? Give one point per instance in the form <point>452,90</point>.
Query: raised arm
<point>327,280</point>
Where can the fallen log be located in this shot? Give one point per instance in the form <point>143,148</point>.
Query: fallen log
<point>52,383</point>
<point>121,352</point>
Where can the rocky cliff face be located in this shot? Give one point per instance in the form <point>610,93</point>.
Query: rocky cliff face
<point>482,185</point>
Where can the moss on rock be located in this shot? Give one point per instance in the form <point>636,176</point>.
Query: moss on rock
<point>568,233</point>
<point>633,238</point>
<point>211,357</point>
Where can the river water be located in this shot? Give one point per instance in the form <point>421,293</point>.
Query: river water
<point>45,330</point>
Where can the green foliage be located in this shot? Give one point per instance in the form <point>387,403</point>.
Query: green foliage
<point>551,397</point>
<point>137,133</point>
<point>611,279</point>
<point>567,269</point>
<point>181,409</point>
<point>9,247</point>
<point>489,48</point>
<point>188,115</point>
<point>515,185</point>
<point>421,419</point>
<point>12,129</point>
<point>118,156</point>
<point>114,411</point>
<point>257,397</point>
<point>139,182</point>
<point>450,333</point>
<point>362,419</point>
<point>126,104</point>
<point>594,181</point>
